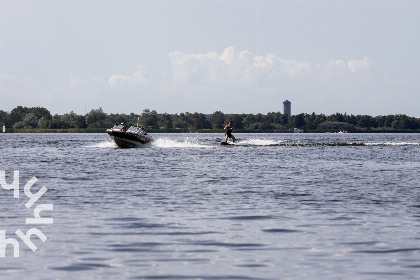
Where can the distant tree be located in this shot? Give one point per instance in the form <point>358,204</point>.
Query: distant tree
<point>388,121</point>
<point>328,125</point>
<point>149,118</point>
<point>40,112</point>
<point>310,121</point>
<point>19,125</point>
<point>413,123</point>
<point>284,119</point>
<point>17,114</point>
<point>273,118</point>
<point>380,121</point>
<point>320,119</point>
<point>400,122</point>
<point>56,123</point>
<point>366,121</point>
<point>257,125</point>
<point>237,120</point>
<point>248,121</point>
<point>416,122</point>
<point>299,121</point>
<point>179,121</point>
<point>133,118</point>
<point>70,120</point>
<point>337,117</point>
<point>96,118</point>
<point>266,122</point>
<point>4,118</point>
<point>23,117</point>
<point>30,120</point>
<point>81,121</point>
<point>199,121</point>
<point>217,120</point>
<point>405,122</point>
<point>128,120</point>
<point>43,123</point>
<point>165,120</point>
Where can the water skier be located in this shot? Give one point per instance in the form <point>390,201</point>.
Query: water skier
<point>228,132</point>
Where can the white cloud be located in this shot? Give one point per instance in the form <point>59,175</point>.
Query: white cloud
<point>77,82</point>
<point>228,55</point>
<point>196,67</point>
<point>359,65</point>
<point>197,78</point>
<point>336,64</point>
<point>231,68</point>
<point>137,78</point>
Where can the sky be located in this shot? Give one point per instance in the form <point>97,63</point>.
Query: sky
<point>355,57</point>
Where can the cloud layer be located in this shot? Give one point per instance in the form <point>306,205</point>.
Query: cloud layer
<point>240,74</point>
<point>234,68</point>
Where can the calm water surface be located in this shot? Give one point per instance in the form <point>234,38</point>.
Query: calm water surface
<point>274,206</point>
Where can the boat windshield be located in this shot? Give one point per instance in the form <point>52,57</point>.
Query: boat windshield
<point>136,130</point>
<point>133,129</point>
<point>116,127</point>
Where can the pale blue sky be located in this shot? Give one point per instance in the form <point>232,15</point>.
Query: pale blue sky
<point>359,57</point>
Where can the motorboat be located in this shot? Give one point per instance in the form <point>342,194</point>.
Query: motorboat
<point>129,138</point>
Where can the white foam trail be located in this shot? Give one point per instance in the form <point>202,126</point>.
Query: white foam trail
<point>170,143</point>
<point>104,145</point>
<point>258,142</point>
<point>392,144</point>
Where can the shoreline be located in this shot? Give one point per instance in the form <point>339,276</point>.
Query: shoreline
<point>186,130</point>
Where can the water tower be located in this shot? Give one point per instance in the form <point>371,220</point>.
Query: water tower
<point>287,107</point>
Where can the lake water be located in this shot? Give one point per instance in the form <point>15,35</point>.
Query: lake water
<point>274,206</point>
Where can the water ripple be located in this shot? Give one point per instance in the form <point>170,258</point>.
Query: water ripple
<point>308,206</point>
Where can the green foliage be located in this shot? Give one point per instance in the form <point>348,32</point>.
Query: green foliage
<point>40,118</point>
<point>23,117</point>
<point>237,120</point>
<point>4,118</point>
<point>149,119</point>
<point>72,120</point>
<point>165,121</point>
<point>96,118</point>
<point>199,121</point>
<point>217,120</point>
<point>299,121</point>
<point>328,125</point>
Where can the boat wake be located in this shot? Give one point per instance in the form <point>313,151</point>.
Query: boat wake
<point>190,142</point>
<point>184,143</point>
<point>257,142</point>
<point>393,144</point>
<point>104,145</point>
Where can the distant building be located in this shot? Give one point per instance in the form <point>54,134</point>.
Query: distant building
<point>287,107</point>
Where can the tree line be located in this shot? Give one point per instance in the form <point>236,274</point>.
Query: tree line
<point>41,118</point>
